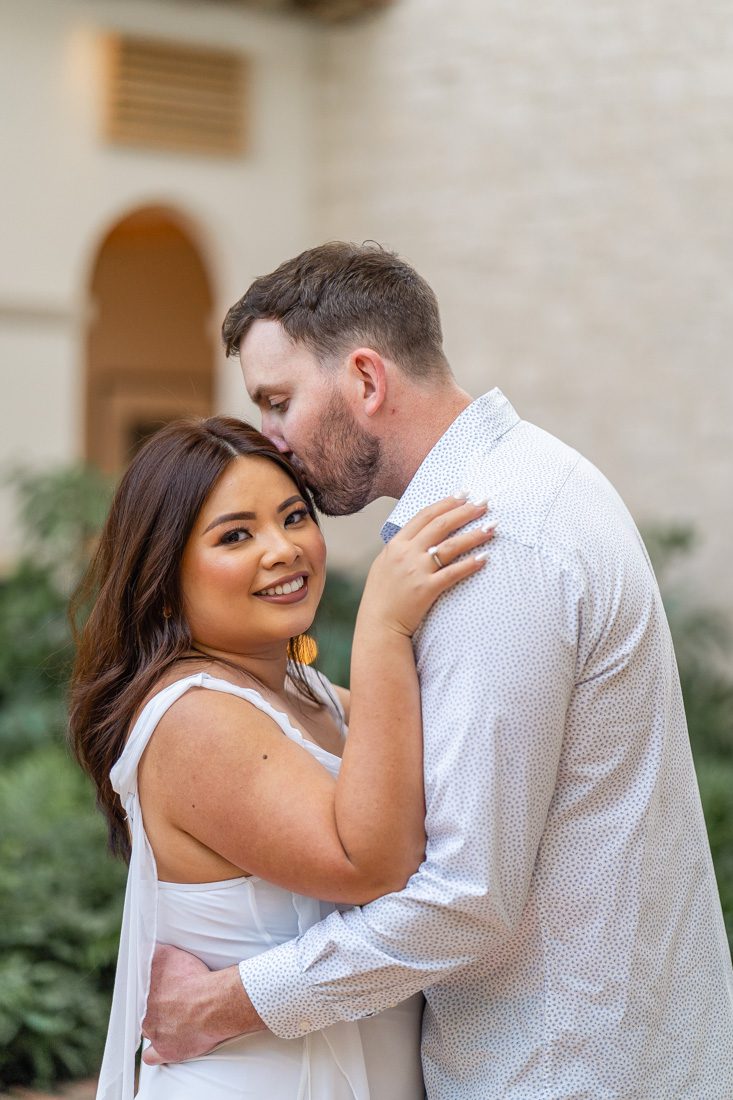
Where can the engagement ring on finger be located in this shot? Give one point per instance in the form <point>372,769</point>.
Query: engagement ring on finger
<point>433,551</point>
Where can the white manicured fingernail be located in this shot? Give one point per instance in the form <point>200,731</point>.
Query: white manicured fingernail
<point>483,555</point>
<point>490,526</point>
<point>461,494</point>
<point>479,502</point>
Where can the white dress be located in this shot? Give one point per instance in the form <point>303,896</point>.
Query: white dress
<point>223,923</point>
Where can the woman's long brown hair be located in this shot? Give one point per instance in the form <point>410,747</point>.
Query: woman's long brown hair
<point>127,642</point>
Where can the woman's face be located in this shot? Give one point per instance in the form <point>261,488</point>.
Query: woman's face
<point>253,568</point>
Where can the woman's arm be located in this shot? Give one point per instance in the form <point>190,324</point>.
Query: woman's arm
<point>223,775</point>
<point>380,807</point>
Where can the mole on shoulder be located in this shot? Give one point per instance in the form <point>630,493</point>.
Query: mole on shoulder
<point>264,756</point>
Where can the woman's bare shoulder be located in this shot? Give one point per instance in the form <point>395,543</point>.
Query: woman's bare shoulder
<point>201,719</point>
<point>181,670</point>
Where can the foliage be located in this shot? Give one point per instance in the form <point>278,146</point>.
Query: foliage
<point>59,920</point>
<point>61,513</point>
<point>702,642</point>
<point>60,896</point>
<point>715,775</point>
<point>334,626</point>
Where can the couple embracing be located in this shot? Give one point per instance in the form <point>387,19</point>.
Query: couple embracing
<point>500,881</point>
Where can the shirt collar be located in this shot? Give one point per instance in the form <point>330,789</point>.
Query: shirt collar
<point>478,427</point>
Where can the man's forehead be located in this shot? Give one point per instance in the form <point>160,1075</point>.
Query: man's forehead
<point>283,377</point>
<point>262,379</point>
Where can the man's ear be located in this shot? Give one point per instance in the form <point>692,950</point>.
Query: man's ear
<point>367,380</point>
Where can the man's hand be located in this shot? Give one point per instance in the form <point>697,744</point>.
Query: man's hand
<point>192,1009</point>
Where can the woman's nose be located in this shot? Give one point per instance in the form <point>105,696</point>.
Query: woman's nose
<point>281,549</point>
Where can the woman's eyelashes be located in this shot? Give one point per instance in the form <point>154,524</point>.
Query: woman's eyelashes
<point>230,538</point>
<point>296,516</point>
<point>243,534</point>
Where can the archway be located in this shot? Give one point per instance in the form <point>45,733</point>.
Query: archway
<point>150,354</point>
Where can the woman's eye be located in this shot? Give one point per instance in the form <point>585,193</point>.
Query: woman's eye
<point>239,534</point>
<point>297,516</point>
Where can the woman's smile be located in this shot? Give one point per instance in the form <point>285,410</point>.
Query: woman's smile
<point>291,589</point>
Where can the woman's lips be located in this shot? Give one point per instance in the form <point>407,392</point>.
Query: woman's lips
<point>286,597</point>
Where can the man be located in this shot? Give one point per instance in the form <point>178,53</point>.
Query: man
<point>565,924</point>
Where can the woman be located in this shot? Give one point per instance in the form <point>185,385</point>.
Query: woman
<point>208,572</point>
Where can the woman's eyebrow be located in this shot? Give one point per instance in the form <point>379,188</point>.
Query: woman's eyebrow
<point>229,517</point>
<point>297,499</point>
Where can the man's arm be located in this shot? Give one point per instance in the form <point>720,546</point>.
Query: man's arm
<point>192,1009</point>
<point>496,659</point>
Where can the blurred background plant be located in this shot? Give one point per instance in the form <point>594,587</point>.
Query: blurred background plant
<point>703,645</point>
<point>61,895</point>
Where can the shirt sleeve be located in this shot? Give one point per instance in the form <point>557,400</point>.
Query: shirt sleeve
<point>496,658</point>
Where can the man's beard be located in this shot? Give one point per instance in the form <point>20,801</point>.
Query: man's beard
<point>342,476</point>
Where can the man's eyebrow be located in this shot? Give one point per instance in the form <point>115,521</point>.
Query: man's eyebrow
<point>229,516</point>
<point>259,394</point>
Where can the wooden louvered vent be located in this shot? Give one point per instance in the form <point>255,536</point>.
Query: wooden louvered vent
<point>171,96</point>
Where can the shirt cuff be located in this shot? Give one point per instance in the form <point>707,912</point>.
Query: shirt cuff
<point>283,998</point>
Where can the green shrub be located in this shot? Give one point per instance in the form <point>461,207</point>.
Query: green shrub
<point>60,514</point>
<point>60,907</point>
<point>702,642</point>
<point>60,895</point>
<point>334,626</point>
<point>715,776</point>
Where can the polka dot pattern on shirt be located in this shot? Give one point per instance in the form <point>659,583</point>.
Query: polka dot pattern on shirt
<point>565,923</point>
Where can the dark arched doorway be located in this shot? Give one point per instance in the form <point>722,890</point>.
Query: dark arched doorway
<point>150,353</point>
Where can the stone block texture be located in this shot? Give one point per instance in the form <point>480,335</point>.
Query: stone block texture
<point>562,175</point>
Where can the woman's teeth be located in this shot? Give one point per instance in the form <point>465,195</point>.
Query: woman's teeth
<point>284,589</point>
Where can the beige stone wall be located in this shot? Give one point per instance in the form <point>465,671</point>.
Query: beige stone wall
<point>63,188</point>
<point>562,174</point>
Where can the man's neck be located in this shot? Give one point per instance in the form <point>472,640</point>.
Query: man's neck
<point>426,417</point>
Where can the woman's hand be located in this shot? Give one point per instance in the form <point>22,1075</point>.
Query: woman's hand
<point>405,580</point>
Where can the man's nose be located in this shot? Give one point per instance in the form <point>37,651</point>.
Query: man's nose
<point>270,430</point>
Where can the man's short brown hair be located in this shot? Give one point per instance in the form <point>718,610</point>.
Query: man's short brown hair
<point>340,295</point>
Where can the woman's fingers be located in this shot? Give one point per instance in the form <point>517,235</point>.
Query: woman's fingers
<point>458,570</point>
<point>445,515</point>
<point>454,546</point>
<point>440,523</point>
<point>431,552</point>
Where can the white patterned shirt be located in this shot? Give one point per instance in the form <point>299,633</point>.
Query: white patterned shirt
<point>565,924</point>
